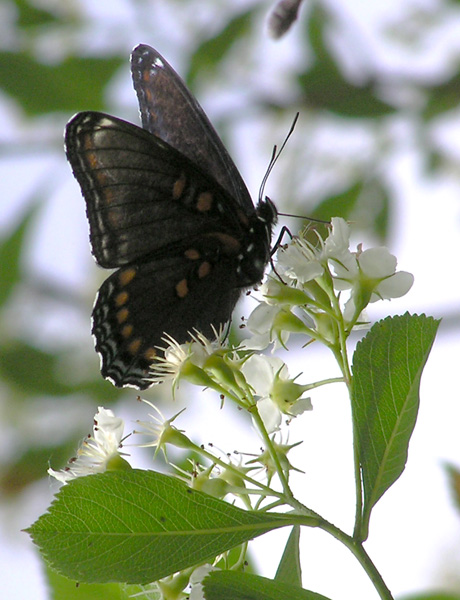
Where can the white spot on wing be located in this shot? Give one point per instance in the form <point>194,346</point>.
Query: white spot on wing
<point>158,63</point>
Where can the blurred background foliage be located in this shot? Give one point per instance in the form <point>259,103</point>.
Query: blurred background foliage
<point>57,58</point>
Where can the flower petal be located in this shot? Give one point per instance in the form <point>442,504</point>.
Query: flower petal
<point>377,263</point>
<point>299,407</point>
<point>396,286</point>
<point>270,414</point>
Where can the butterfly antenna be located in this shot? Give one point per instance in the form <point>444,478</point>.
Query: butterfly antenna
<point>275,155</point>
<point>313,219</point>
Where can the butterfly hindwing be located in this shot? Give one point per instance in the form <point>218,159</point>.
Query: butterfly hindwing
<point>136,305</point>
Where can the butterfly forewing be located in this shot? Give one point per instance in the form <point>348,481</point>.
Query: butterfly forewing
<point>168,208</point>
<point>169,111</point>
<point>142,196</point>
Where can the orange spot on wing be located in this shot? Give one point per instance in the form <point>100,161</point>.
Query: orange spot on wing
<point>230,245</point>
<point>122,315</point>
<point>192,254</point>
<point>133,347</point>
<point>109,196</point>
<point>121,298</point>
<point>127,331</point>
<point>179,186</point>
<point>204,201</point>
<point>182,288</point>
<point>204,269</point>
<point>126,276</point>
<point>91,156</point>
<point>114,215</point>
<point>243,218</point>
<point>150,354</point>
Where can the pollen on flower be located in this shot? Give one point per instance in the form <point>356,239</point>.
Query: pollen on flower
<point>98,452</point>
<point>169,366</point>
<point>162,432</point>
<point>277,393</point>
<point>303,261</point>
<point>209,346</point>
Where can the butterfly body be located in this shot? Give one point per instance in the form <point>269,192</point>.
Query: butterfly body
<point>166,207</point>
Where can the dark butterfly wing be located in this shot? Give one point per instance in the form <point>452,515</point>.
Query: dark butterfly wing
<point>167,205</point>
<point>136,305</point>
<point>169,111</point>
<point>175,231</point>
<point>142,196</point>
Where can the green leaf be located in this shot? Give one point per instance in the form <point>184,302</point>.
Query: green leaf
<point>140,526</point>
<point>65,589</point>
<point>431,596</point>
<point>315,28</point>
<point>32,465</point>
<point>31,371</point>
<point>213,51</point>
<point>289,569</point>
<point>243,586</point>
<point>326,88</point>
<point>387,367</point>
<point>29,15</point>
<point>454,483</point>
<point>10,255</point>
<point>339,205</point>
<point>442,98</point>
<point>366,204</point>
<point>380,199</point>
<point>75,84</point>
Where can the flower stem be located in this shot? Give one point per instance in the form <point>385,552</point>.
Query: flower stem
<point>341,355</point>
<point>236,471</point>
<point>361,555</point>
<point>273,454</point>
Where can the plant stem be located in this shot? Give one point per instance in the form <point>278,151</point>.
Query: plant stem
<point>273,454</point>
<point>363,558</point>
<point>237,471</point>
<point>341,355</point>
<point>353,544</point>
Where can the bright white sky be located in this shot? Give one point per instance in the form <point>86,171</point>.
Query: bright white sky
<point>415,529</point>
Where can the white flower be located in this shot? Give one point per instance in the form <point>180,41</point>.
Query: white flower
<point>168,367</point>
<point>260,324</point>
<point>162,432</point>
<point>278,394</point>
<point>304,297</point>
<point>338,241</point>
<point>196,579</point>
<point>300,261</point>
<point>303,262</point>
<point>374,277</point>
<point>393,287</point>
<point>379,264</point>
<point>177,356</point>
<point>98,452</point>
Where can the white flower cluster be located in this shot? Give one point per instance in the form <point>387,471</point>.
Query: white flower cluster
<point>98,452</point>
<point>312,277</point>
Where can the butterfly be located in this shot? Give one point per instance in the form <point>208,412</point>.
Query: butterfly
<point>169,210</point>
